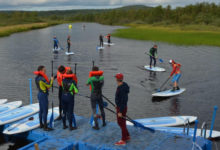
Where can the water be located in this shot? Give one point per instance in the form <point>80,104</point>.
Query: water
<point>20,55</point>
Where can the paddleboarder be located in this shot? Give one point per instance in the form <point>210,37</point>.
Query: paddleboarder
<point>69,89</point>
<point>43,84</point>
<point>101,40</point>
<point>121,99</point>
<point>96,81</point>
<point>109,38</point>
<point>56,42</point>
<point>68,43</point>
<point>153,55</point>
<point>177,74</point>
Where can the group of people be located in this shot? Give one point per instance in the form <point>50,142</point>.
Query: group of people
<point>175,67</point>
<point>67,82</point>
<point>56,43</point>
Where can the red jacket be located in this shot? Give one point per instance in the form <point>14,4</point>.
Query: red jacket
<point>176,68</point>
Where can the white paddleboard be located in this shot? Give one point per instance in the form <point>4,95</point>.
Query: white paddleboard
<point>106,43</point>
<point>169,93</point>
<point>158,69</point>
<point>28,124</point>
<point>215,134</point>
<point>70,53</point>
<point>164,121</point>
<point>18,113</point>
<point>2,101</point>
<point>99,48</point>
<point>10,106</point>
<point>57,49</point>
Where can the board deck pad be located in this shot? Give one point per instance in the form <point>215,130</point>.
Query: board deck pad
<point>10,106</point>
<point>26,124</point>
<point>157,69</point>
<point>106,43</point>
<point>165,121</point>
<point>169,93</point>
<point>70,53</point>
<point>2,101</point>
<point>178,130</point>
<point>18,113</point>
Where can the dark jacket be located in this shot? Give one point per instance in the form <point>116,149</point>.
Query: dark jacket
<point>121,96</point>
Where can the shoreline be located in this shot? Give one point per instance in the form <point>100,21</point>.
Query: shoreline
<point>188,35</point>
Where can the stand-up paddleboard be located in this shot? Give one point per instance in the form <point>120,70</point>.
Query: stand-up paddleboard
<point>2,101</point>
<point>215,134</point>
<point>10,106</point>
<point>57,49</point>
<point>106,43</point>
<point>18,113</point>
<point>29,123</point>
<point>100,48</point>
<point>158,69</point>
<point>169,93</point>
<point>69,53</point>
<point>165,121</point>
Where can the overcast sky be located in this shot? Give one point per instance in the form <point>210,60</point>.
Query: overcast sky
<point>84,4</point>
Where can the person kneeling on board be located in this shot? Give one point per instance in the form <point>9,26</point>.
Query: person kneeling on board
<point>55,42</point>
<point>43,84</point>
<point>96,81</point>
<point>153,55</point>
<point>176,77</point>
<point>61,70</point>
<point>121,100</point>
<point>69,90</point>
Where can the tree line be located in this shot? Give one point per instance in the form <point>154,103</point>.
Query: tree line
<point>201,13</point>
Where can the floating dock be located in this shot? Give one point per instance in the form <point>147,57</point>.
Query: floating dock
<point>86,138</point>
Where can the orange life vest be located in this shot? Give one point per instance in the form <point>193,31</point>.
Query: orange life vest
<point>60,76</point>
<point>73,76</point>
<point>42,74</point>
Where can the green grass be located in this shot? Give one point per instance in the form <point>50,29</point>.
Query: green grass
<point>179,35</point>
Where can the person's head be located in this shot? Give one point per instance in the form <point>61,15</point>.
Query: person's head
<point>171,61</point>
<point>95,68</point>
<point>54,37</point>
<point>155,46</point>
<point>119,78</point>
<point>41,68</point>
<point>61,69</point>
<point>69,72</point>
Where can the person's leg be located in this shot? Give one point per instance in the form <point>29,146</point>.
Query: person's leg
<point>174,83</point>
<point>68,48</point>
<point>70,109</point>
<point>120,122</point>
<point>64,108</point>
<point>125,130</point>
<point>60,101</point>
<point>151,61</point>
<point>177,81</point>
<point>40,111</point>
<point>45,109</point>
<point>100,102</point>
<point>155,61</point>
<point>93,105</point>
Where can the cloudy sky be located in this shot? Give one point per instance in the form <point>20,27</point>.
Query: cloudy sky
<point>84,4</point>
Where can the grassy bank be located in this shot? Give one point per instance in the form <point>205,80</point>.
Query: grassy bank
<point>174,34</point>
<point>8,30</point>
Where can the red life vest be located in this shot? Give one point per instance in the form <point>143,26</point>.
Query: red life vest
<point>40,73</point>
<point>60,76</point>
<point>73,76</point>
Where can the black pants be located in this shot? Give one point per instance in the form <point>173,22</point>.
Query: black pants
<point>68,47</point>
<point>97,99</point>
<point>109,40</point>
<point>68,109</point>
<point>60,100</point>
<point>101,43</point>
<point>152,58</point>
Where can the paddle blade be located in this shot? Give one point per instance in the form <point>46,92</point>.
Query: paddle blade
<point>161,60</point>
<point>105,104</point>
<point>137,124</point>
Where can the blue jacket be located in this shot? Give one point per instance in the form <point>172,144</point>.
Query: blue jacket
<point>121,96</point>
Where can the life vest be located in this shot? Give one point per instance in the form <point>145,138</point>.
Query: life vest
<point>66,84</point>
<point>40,77</point>
<point>95,73</point>
<point>176,68</point>
<point>60,76</point>
<point>72,76</point>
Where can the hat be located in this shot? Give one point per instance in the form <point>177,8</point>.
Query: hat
<point>171,61</point>
<point>119,76</point>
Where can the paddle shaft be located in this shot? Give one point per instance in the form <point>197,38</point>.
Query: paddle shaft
<point>164,83</point>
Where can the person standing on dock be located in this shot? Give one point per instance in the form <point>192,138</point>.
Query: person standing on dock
<point>121,100</point>
<point>153,55</point>
<point>177,72</point>
<point>109,38</point>
<point>68,43</point>
<point>43,84</point>
<point>101,40</point>
<point>96,81</point>
<point>69,90</point>
<point>55,42</point>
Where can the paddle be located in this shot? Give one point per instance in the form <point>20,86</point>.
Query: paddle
<point>158,90</point>
<point>136,124</point>
<point>160,59</point>
<point>29,119</point>
<point>51,117</point>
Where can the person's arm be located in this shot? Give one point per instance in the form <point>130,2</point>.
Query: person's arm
<point>44,85</point>
<point>88,82</point>
<point>74,89</point>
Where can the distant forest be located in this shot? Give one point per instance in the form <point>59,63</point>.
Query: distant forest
<point>201,13</point>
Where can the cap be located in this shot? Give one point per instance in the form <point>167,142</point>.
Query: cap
<point>171,61</point>
<point>119,76</point>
